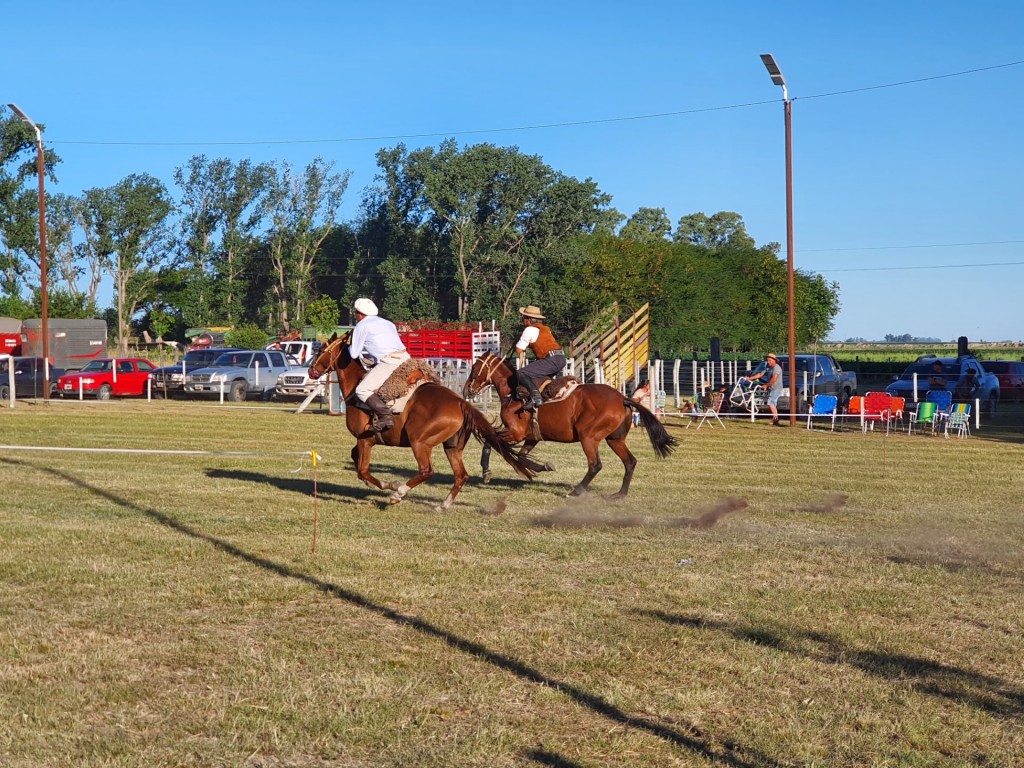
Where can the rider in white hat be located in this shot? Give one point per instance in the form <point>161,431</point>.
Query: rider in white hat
<point>376,342</point>
<point>549,359</point>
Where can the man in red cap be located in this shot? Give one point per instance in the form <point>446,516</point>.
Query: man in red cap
<point>549,359</point>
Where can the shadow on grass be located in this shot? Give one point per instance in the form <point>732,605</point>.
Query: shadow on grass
<point>359,491</point>
<point>300,485</point>
<point>987,693</point>
<point>727,755</point>
<point>553,759</point>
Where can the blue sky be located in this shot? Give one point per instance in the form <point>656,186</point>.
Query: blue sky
<point>909,196</point>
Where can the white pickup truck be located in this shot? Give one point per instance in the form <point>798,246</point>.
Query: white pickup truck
<point>303,350</point>
<point>296,383</point>
<point>247,373</point>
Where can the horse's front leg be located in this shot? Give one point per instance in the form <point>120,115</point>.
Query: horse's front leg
<point>361,456</point>
<point>425,469</point>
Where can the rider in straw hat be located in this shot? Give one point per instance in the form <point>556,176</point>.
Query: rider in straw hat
<point>376,342</point>
<point>549,359</point>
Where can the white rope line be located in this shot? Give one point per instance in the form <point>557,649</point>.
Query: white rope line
<point>145,451</point>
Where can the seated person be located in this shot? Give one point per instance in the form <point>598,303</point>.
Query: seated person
<point>937,380</point>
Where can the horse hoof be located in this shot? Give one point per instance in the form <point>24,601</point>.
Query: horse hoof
<point>575,493</point>
<point>549,467</point>
<point>487,476</point>
<point>392,486</point>
<point>394,500</point>
<point>616,496</point>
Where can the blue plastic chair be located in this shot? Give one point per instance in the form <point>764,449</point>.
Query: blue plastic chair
<point>942,398</point>
<point>824,406</point>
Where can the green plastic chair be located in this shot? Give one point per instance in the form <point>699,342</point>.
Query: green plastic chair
<point>925,414</point>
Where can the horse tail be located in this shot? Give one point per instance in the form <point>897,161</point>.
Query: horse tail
<point>662,442</point>
<point>475,423</point>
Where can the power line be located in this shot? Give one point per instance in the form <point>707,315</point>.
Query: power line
<point>912,82</point>
<point>417,135</point>
<point>905,247</point>
<point>541,126</point>
<point>925,266</point>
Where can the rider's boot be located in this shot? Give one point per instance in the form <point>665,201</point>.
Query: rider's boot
<point>382,417</point>
<point>535,396</point>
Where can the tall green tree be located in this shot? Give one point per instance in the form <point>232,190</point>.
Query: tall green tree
<point>223,205</point>
<point>648,225</point>
<point>489,212</point>
<point>131,237</point>
<point>19,203</point>
<point>303,210</point>
<point>719,230</point>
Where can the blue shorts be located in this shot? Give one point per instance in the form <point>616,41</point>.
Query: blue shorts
<point>773,396</point>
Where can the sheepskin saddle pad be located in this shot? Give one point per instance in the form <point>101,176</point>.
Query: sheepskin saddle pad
<point>406,378</point>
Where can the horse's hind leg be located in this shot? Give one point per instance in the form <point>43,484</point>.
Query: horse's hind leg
<point>618,444</point>
<point>593,465</point>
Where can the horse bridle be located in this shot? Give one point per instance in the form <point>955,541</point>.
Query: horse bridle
<point>314,371</point>
<point>488,367</point>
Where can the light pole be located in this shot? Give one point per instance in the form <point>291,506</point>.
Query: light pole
<point>778,79</point>
<point>42,250</point>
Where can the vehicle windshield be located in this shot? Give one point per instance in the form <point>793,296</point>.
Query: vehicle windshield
<point>97,365</point>
<point>196,356</point>
<point>997,366</point>
<point>926,368</point>
<point>233,360</point>
<point>802,364</point>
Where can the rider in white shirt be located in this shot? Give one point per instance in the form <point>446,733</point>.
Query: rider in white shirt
<point>376,343</point>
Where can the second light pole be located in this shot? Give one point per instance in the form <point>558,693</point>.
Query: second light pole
<point>778,79</point>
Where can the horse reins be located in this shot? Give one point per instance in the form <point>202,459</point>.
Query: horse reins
<point>323,352</point>
<point>489,367</point>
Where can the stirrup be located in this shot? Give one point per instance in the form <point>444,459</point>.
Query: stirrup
<point>381,424</point>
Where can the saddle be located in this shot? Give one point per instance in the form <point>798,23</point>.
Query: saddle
<point>552,390</point>
<point>400,385</point>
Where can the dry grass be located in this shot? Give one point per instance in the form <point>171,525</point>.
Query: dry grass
<point>763,598</point>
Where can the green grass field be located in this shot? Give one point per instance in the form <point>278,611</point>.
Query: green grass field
<point>765,597</point>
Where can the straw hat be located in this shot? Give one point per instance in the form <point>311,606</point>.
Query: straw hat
<point>531,311</point>
<point>365,307</point>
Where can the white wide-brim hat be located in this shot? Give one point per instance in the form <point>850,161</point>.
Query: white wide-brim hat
<point>365,307</point>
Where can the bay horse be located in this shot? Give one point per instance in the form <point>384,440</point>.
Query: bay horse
<point>434,415</point>
<point>591,413</point>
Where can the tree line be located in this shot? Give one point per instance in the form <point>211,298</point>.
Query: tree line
<point>445,233</point>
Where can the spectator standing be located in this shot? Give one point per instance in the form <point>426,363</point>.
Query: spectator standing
<point>770,377</point>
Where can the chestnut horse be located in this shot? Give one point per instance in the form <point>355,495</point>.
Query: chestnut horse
<point>590,414</point>
<point>434,415</point>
